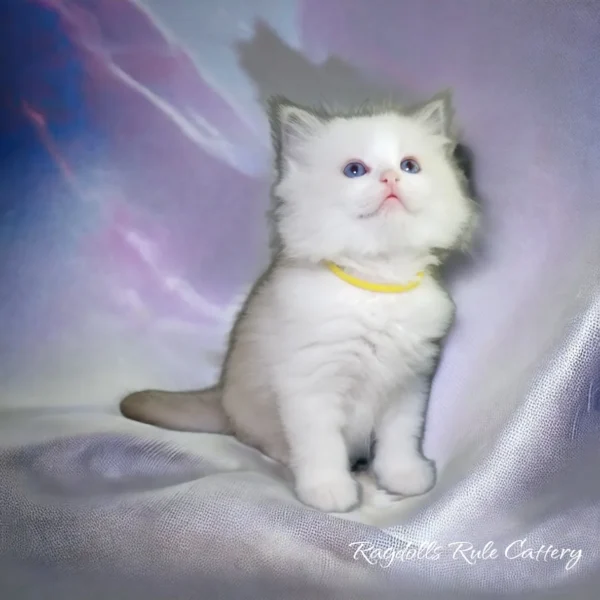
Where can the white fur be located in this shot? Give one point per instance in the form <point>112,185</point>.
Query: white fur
<point>338,362</point>
<point>315,364</point>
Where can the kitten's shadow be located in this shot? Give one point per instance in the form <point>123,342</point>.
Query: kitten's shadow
<point>459,264</point>
<point>277,69</point>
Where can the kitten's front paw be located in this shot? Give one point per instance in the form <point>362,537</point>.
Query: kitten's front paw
<point>328,492</point>
<point>406,476</point>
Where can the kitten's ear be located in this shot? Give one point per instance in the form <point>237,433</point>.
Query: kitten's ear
<point>292,125</point>
<point>437,114</point>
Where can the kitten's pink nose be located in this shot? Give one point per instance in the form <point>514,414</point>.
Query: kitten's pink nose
<point>390,177</point>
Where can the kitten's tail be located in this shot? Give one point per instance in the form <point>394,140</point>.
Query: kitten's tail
<point>197,410</point>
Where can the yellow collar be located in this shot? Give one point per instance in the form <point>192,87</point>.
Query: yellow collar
<point>385,288</point>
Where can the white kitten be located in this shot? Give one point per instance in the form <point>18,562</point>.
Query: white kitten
<point>317,364</point>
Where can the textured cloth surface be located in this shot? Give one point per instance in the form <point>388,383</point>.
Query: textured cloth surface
<point>134,181</point>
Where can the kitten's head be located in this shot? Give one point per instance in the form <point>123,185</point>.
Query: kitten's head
<point>379,182</point>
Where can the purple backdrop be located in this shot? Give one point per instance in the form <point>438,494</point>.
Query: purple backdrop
<point>136,168</point>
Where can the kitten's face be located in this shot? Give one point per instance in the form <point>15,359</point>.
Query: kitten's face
<point>369,185</point>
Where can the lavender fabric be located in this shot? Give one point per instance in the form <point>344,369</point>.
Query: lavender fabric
<point>134,181</point>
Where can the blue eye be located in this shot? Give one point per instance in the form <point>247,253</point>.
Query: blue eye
<point>410,165</point>
<point>355,169</point>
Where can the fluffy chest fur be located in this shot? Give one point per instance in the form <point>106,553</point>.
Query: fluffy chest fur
<point>361,348</point>
<point>316,313</point>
